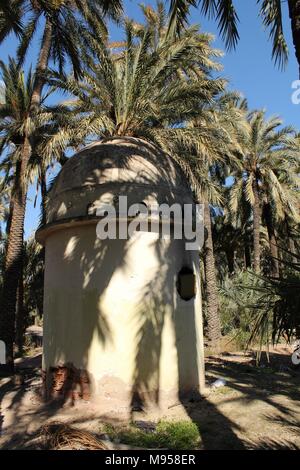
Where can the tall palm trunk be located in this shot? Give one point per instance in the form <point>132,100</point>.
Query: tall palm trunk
<point>256,228</point>
<point>43,193</point>
<point>13,264</point>
<point>272,240</point>
<point>294,11</point>
<point>247,252</point>
<point>20,314</point>
<point>291,242</point>
<point>41,66</point>
<point>213,318</point>
<point>13,259</point>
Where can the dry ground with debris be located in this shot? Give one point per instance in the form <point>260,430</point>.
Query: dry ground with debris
<point>259,407</point>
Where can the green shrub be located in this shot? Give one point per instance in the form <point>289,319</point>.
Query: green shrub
<point>236,297</point>
<point>259,309</point>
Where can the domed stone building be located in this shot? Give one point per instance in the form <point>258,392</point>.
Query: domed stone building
<point>122,317</point>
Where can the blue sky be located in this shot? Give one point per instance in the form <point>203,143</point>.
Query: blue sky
<point>249,68</point>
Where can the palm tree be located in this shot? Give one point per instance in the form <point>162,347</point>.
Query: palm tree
<point>241,223</point>
<point>228,241</point>
<point>62,19</point>
<point>16,127</point>
<point>267,176</point>
<point>207,157</point>
<point>208,192</point>
<point>139,91</point>
<point>226,15</point>
<point>19,129</point>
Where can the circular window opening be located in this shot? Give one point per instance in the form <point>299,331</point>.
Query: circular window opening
<point>186,283</point>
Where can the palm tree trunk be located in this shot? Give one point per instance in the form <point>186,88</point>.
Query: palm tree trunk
<point>272,241</point>
<point>294,11</point>
<point>41,66</point>
<point>20,314</point>
<point>43,194</point>
<point>213,318</point>
<point>13,260</point>
<point>13,264</point>
<point>291,244</point>
<point>247,251</point>
<point>274,253</point>
<point>256,228</point>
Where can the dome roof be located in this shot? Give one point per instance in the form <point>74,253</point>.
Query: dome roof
<point>122,166</point>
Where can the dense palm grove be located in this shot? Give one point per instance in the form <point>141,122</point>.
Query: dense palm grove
<point>162,83</point>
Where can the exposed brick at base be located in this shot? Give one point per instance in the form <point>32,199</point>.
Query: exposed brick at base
<point>67,382</point>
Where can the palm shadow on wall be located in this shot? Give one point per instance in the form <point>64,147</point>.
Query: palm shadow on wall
<point>108,256</point>
<point>146,384</point>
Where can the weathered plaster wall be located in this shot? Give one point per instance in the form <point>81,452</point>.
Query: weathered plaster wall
<point>112,308</point>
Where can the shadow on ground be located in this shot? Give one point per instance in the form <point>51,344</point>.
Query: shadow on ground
<point>257,409</point>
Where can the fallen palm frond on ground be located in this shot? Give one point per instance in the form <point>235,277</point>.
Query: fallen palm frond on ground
<point>60,436</point>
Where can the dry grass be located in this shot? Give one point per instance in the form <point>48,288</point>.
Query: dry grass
<point>60,436</point>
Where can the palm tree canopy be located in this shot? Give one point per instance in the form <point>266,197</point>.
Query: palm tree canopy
<point>16,122</point>
<point>270,158</point>
<point>222,10</point>
<point>65,18</point>
<point>10,18</point>
<point>142,91</point>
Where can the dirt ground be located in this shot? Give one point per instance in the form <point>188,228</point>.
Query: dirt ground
<point>258,408</point>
